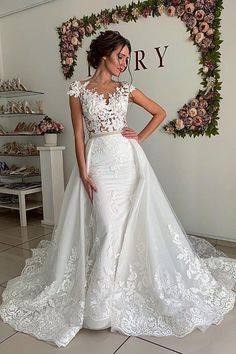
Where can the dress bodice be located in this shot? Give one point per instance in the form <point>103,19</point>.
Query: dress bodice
<point>102,115</point>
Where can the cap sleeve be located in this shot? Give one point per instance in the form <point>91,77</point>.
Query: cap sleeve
<point>128,87</point>
<point>131,88</point>
<point>74,89</point>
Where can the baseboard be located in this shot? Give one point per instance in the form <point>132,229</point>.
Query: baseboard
<point>220,241</point>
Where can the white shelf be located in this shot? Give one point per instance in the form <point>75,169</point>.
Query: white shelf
<point>18,93</point>
<point>23,205</point>
<point>20,191</point>
<point>30,204</point>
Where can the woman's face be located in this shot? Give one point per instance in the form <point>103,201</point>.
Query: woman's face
<point>117,62</point>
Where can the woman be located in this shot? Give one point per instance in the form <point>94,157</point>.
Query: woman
<point>119,257</point>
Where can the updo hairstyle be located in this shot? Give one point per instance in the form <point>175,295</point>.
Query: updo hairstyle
<point>103,45</point>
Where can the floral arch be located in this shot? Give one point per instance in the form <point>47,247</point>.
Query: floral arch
<point>202,19</point>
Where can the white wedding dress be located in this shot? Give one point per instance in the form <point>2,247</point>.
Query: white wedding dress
<point>124,261</point>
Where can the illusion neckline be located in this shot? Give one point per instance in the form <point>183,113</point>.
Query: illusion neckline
<point>102,95</point>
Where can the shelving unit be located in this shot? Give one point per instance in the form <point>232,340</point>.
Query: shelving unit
<point>19,93</point>
<point>10,115</point>
<point>24,203</point>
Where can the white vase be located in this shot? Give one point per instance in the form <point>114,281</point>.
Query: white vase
<point>50,139</point>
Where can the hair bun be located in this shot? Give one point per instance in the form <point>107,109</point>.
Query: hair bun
<point>103,45</point>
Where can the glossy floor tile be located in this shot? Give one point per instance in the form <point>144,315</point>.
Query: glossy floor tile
<point>34,242</point>
<point>11,262</point>
<point>17,235</point>
<point>220,339</point>
<point>4,246</point>
<point>85,342</point>
<point>229,251</point>
<point>139,346</point>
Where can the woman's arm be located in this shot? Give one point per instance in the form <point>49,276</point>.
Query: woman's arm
<point>77,122</point>
<point>157,112</point>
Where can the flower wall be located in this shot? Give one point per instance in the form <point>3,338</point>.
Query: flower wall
<point>197,117</point>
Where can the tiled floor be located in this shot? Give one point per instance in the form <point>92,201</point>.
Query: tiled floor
<point>15,245</point>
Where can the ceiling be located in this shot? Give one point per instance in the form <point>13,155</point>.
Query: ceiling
<point>9,7</point>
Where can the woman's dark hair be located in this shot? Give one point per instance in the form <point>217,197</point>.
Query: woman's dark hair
<point>104,45</point>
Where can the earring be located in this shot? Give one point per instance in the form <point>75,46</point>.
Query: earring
<point>104,58</point>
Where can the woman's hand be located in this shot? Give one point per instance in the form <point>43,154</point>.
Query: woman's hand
<point>90,186</point>
<point>130,134</point>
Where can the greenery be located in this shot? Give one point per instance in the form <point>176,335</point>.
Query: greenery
<point>202,19</point>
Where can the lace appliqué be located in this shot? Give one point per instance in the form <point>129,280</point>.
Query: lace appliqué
<point>186,300</point>
<point>101,116</point>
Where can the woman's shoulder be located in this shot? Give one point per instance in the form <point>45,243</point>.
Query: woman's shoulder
<point>128,86</point>
<point>75,87</point>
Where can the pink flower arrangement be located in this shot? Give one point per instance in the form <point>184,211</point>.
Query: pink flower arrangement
<point>202,20</point>
<point>48,125</point>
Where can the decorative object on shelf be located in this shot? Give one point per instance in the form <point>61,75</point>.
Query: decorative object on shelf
<point>17,149</point>
<point>12,85</point>
<point>7,199</point>
<point>50,139</point>
<point>39,105</point>
<point>202,20</point>
<point>23,128</point>
<point>50,128</point>
<point>21,171</point>
<point>2,131</point>
<point>19,191</point>
<point>3,167</point>
<point>24,107</point>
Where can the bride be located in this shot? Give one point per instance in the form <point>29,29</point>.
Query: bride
<point>118,258</point>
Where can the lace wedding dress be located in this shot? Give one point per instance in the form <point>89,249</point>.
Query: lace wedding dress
<point>124,261</point>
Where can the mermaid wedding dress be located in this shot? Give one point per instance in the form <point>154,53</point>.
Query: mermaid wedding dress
<point>124,261</point>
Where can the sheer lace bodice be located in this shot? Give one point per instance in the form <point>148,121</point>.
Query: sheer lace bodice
<point>102,115</point>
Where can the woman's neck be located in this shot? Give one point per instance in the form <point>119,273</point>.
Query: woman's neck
<point>102,77</point>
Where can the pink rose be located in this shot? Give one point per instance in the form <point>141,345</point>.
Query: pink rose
<point>201,112</point>
<point>197,121</point>
<point>199,37</point>
<point>74,40</point>
<point>179,124</point>
<point>210,31</point>
<point>75,23</point>
<point>161,9</point>
<point>69,61</point>
<point>194,103</point>
<point>182,113</point>
<point>189,8</point>
<point>203,27</point>
<point>63,29</point>
<point>180,10</point>
<point>199,14</point>
<point>192,112</point>
<point>171,11</point>
<point>209,18</point>
<point>203,103</point>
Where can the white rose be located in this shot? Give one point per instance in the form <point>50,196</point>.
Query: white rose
<point>179,124</point>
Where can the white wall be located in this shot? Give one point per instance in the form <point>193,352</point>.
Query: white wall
<point>198,175</point>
